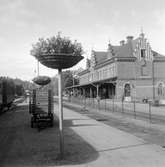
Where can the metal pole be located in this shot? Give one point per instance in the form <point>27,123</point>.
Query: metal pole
<point>60,113</point>
<point>122,106</point>
<point>135,86</point>
<point>105,105</point>
<point>37,68</point>
<point>98,100</point>
<point>84,107</point>
<point>113,103</point>
<point>134,109</point>
<point>73,87</point>
<point>90,101</point>
<point>153,80</point>
<point>150,111</point>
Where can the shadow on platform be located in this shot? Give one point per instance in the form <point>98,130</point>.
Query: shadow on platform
<point>25,146</point>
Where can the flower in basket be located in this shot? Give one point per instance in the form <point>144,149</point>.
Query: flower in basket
<point>57,52</point>
<point>56,45</point>
<point>42,80</point>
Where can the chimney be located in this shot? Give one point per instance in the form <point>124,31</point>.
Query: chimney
<point>122,42</point>
<point>129,38</point>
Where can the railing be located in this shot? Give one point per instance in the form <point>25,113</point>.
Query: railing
<point>133,109</point>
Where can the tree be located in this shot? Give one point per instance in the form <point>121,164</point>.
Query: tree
<point>67,78</point>
<point>70,78</point>
<point>54,85</point>
<point>19,90</point>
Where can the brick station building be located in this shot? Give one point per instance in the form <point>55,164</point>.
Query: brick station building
<point>129,71</point>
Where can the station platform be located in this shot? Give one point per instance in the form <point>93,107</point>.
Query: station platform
<point>87,143</point>
<point>115,148</point>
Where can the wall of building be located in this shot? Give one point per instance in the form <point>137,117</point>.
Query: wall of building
<point>159,70</point>
<point>125,70</point>
<point>140,89</point>
<point>159,77</point>
<point>95,75</point>
<point>147,69</point>
<point>144,89</point>
<point>140,81</point>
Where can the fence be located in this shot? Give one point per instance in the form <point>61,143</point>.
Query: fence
<point>133,109</point>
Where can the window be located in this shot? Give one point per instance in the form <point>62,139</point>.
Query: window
<point>99,75</point>
<point>160,89</point>
<point>127,90</point>
<point>144,71</point>
<point>105,73</point>
<point>143,53</point>
<point>102,72</point>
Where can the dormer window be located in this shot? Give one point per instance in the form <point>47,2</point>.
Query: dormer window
<point>143,53</point>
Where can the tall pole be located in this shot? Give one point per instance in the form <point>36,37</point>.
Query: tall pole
<point>153,80</point>
<point>135,86</point>
<point>60,114</point>
<point>84,99</point>
<point>90,96</point>
<point>73,87</point>
<point>37,68</point>
<point>97,94</point>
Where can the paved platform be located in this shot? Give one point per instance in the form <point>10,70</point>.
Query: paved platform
<point>88,143</point>
<point>115,148</point>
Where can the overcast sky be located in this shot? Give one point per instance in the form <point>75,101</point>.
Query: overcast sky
<point>91,22</point>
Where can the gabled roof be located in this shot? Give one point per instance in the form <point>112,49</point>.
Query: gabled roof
<point>119,51</point>
<point>125,50</point>
<point>156,54</point>
<point>100,56</point>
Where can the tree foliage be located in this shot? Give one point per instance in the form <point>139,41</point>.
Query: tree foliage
<point>16,86</point>
<point>70,78</point>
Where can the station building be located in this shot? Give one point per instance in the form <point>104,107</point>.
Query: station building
<point>128,71</point>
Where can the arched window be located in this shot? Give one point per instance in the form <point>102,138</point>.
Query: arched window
<point>127,90</point>
<point>160,89</point>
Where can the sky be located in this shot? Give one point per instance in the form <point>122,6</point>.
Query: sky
<point>93,23</point>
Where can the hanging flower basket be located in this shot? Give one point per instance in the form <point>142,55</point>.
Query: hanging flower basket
<point>57,52</point>
<point>42,80</point>
<point>59,60</point>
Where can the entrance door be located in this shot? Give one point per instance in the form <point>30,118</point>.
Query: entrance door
<point>127,92</point>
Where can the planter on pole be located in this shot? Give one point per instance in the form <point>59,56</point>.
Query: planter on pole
<point>42,80</point>
<point>57,62</point>
<point>58,53</point>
